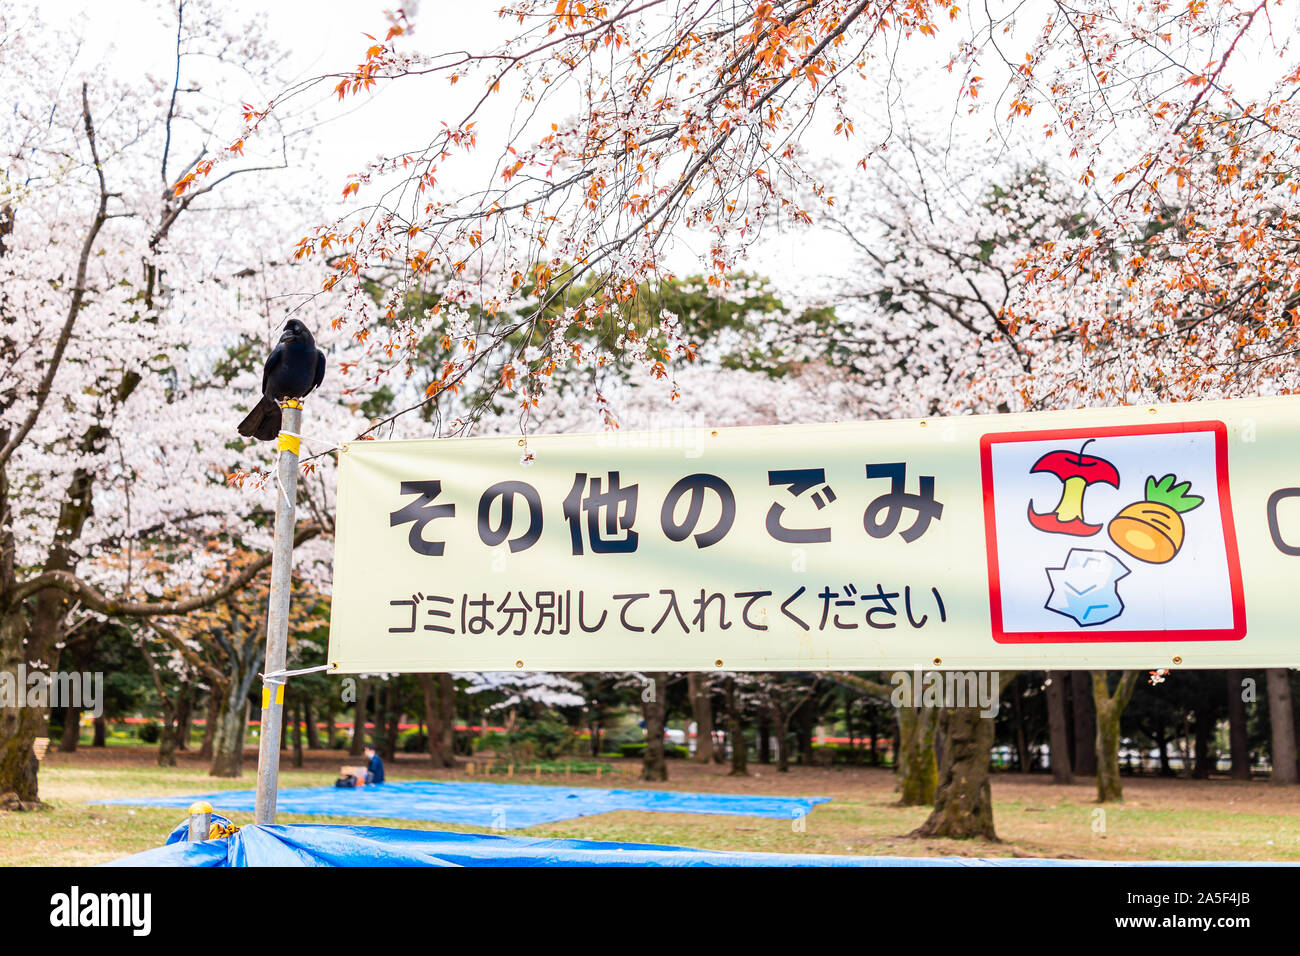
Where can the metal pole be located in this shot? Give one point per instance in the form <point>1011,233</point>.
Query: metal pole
<point>200,822</point>
<point>277,617</point>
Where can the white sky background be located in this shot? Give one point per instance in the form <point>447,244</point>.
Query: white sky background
<point>324,36</point>
<point>135,37</point>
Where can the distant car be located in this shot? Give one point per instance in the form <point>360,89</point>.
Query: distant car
<point>675,737</point>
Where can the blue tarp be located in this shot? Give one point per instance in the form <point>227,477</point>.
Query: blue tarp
<point>317,844</point>
<point>497,805</point>
<point>323,845</point>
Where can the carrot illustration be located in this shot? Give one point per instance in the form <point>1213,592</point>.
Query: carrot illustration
<point>1152,530</point>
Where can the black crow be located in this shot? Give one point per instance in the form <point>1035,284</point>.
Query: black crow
<point>295,367</point>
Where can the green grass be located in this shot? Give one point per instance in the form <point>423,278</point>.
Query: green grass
<point>128,736</point>
<point>1167,820</point>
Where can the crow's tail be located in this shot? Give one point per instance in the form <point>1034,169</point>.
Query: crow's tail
<point>263,422</point>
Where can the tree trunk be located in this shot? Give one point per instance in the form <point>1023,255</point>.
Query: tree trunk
<point>1109,786</point>
<point>1085,724</point>
<point>70,739</point>
<point>101,732</point>
<point>71,730</point>
<point>702,712</point>
<point>781,719</point>
<point>736,731</point>
<point>19,728</point>
<point>358,744</point>
<point>393,705</point>
<point>1058,731</point>
<point>19,725</point>
<point>433,740</point>
<point>805,716</point>
<point>740,749</point>
<point>914,760</point>
<point>184,715</point>
<point>228,745</point>
<point>447,706</point>
<point>764,736</point>
<point>379,717</point>
<point>1203,728</point>
<point>1281,720</point>
<point>653,766</point>
<point>1109,707</point>
<point>439,755</point>
<point>297,734</point>
<point>313,734</point>
<point>210,723</point>
<point>479,736</point>
<point>1023,760</point>
<point>963,801</point>
<point>167,738</point>
<point>30,632</point>
<point>1162,742</point>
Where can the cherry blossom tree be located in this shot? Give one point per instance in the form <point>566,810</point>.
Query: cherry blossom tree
<point>512,689</point>
<point>919,324</point>
<point>130,319</point>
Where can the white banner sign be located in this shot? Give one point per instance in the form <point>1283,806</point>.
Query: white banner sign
<point>1149,537</point>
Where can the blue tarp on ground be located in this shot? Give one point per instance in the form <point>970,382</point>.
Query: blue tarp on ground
<point>324,845</point>
<point>500,806</point>
<point>317,844</point>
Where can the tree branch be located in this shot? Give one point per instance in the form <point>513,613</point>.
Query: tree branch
<point>92,598</point>
<point>865,685</point>
<point>78,293</point>
<point>194,660</point>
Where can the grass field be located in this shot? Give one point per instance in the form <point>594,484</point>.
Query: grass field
<point>1159,819</point>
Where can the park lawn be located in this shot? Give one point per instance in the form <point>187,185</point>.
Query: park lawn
<point>1160,819</point>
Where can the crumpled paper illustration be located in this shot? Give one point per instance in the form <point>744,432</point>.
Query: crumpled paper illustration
<point>1086,587</point>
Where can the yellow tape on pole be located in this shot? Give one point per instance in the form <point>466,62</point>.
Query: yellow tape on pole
<point>288,442</point>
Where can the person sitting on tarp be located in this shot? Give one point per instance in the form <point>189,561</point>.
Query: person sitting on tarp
<point>372,772</point>
<point>375,768</point>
